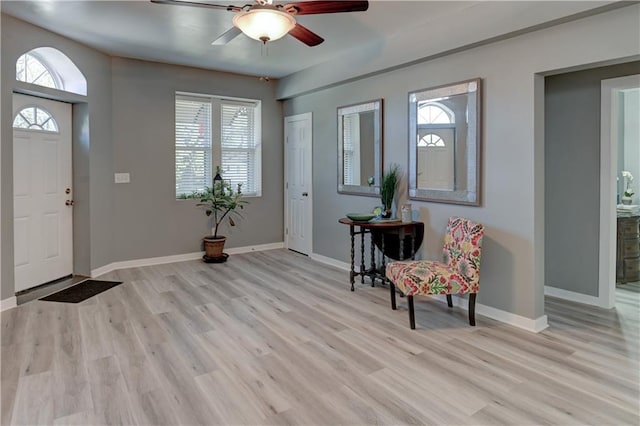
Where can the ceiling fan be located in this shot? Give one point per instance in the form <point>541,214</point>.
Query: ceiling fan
<point>266,21</point>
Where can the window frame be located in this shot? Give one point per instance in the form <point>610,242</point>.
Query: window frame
<point>216,102</point>
<point>58,84</point>
<point>35,108</point>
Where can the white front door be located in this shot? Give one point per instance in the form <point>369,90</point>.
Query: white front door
<point>298,185</point>
<point>43,223</point>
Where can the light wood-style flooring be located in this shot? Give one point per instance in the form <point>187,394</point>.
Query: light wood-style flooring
<point>275,338</point>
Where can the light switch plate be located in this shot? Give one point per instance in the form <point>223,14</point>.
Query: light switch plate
<point>122,178</point>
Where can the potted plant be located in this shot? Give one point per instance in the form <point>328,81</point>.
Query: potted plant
<point>388,188</point>
<point>219,201</point>
<point>627,197</point>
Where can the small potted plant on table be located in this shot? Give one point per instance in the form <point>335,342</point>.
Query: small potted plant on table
<point>219,201</point>
<point>388,188</point>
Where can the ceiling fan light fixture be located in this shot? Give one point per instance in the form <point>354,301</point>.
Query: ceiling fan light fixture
<point>264,24</point>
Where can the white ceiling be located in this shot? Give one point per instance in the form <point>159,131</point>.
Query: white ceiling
<point>183,35</point>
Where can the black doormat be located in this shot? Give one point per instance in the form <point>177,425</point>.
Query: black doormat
<point>81,291</point>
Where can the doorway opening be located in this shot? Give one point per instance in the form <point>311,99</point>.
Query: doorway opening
<point>620,162</point>
<point>580,184</point>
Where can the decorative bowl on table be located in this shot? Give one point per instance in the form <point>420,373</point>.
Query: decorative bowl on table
<point>361,217</point>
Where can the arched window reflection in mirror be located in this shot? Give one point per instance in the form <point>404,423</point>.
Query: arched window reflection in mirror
<point>434,113</point>
<point>444,145</point>
<point>430,140</point>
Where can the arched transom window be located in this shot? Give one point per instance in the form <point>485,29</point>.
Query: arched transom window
<point>35,118</point>
<point>30,69</point>
<point>434,113</point>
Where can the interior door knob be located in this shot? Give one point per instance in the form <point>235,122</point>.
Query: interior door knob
<point>68,203</point>
<point>305,194</point>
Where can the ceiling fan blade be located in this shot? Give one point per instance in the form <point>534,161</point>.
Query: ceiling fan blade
<point>198,4</point>
<point>317,7</point>
<point>227,36</point>
<point>305,35</point>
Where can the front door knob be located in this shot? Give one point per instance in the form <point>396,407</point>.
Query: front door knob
<point>68,203</point>
<point>305,194</point>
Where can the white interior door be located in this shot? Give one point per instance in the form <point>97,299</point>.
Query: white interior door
<point>43,223</point>
<point>298,185</point>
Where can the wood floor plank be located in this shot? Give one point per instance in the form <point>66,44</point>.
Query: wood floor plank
<point>33,403</point>
<point>188,403</point>
<point>275,338</point>
<point>108,392</point>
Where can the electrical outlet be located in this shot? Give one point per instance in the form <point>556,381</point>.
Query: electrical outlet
<point>122,178</point>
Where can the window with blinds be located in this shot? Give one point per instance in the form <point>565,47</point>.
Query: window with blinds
<point>193,145</point>
<point>234,143</point>
<point>239,146</point>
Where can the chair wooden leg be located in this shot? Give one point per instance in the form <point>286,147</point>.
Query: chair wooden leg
<point>449,301</point>
<point>472,309</point>
<point>412,315</point>
<point>392,290</point>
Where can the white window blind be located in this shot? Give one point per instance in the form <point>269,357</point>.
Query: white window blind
<point>351,143</point>
<point>212,131</point>
<point>239,146</point>
<point>193,144</point>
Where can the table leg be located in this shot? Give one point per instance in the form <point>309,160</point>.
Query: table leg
<point>373,261</point>
<point>382,249</point>
<point>352,274</point>
<point>362,256</point>
<point>413,254</point>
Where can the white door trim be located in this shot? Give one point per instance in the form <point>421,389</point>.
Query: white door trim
<point>305,116</point>
<point>610,90</point>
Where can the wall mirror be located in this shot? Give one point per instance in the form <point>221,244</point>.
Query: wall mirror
<point>444,143</point>
<point>360,148</point>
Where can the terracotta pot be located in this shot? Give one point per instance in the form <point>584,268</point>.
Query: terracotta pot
<point>213,247</point>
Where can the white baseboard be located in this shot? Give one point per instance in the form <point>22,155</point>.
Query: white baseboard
<point>248,249</point>
<point>136,263</point>
<point>8,303</point>
<point>533,325</point>
<point>571,296</point>
<point>330,261</point>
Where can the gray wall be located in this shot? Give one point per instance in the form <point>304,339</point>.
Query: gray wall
<point>572,176</point>
<point>512,275</point>
<point>92,147</point>
<point>125,124</point>
<point>150,221</point>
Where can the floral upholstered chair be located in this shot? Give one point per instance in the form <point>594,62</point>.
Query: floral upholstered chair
<point>458,273</point>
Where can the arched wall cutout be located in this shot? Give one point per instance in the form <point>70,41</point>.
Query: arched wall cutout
<point>63,71</point>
